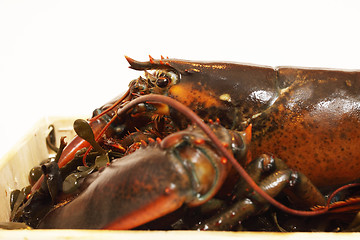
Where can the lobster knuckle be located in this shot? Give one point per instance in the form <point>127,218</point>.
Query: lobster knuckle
<point>206,168</point>
<point>201,171</point>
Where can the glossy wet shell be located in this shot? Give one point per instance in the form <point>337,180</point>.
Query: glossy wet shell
<point>309,118</point>
<point>314,124</point>
<point>231,92</point>
<point>126,192</point>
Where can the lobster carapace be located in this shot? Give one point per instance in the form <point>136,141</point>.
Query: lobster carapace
<point>307,117</point>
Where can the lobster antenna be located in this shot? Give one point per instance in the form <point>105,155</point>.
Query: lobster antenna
<point>126,95</point>
<point>196,119</point>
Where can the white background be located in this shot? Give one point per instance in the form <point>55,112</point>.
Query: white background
<point>67,57</point>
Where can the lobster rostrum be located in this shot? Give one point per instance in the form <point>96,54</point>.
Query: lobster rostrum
<point>290,114</point>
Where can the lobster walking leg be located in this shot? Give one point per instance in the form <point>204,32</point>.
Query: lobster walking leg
<point>302,191</point>
<point>250,202</point>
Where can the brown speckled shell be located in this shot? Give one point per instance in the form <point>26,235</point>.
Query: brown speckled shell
<point>314,124</point>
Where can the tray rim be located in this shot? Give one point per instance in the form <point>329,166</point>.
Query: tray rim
<point>165,235</point>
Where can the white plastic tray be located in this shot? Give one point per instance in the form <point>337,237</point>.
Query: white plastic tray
<point>32,149</point>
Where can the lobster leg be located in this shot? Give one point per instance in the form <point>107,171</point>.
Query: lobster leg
<point>302,192</point>
<point>279,178</point>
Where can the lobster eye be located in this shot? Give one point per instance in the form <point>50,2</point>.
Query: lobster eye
<point>162,82</point>
<point>164,79</point>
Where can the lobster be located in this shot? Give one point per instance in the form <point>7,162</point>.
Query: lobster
<point>302,116</point>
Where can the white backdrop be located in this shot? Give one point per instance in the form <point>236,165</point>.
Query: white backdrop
<point>66,57</point>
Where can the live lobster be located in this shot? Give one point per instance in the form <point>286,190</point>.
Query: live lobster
<point>306,117</point>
